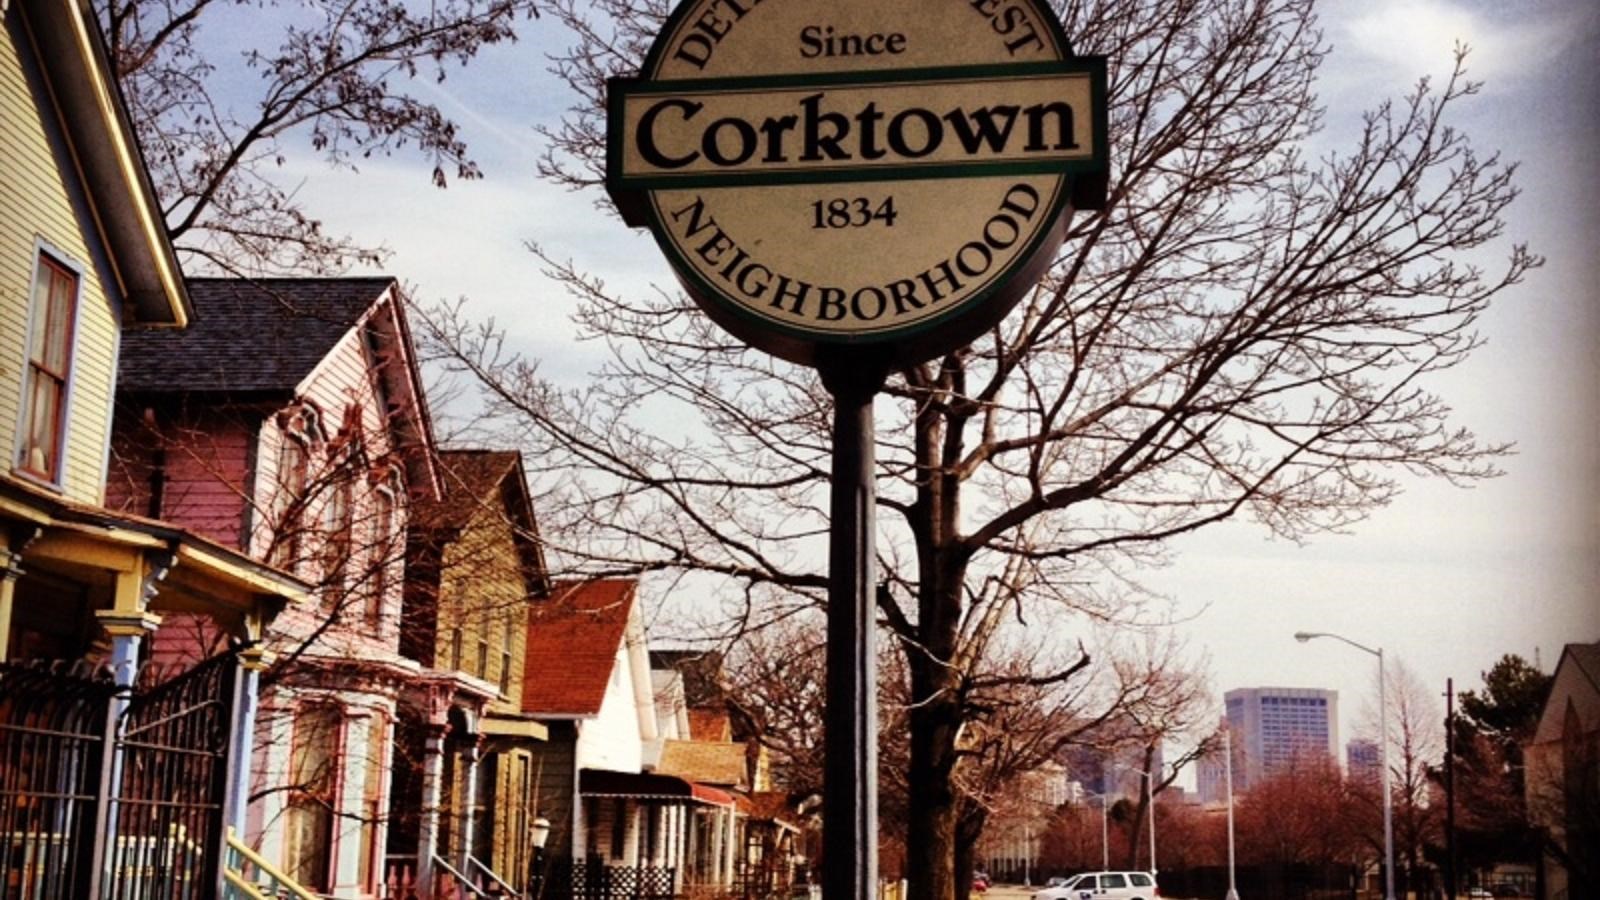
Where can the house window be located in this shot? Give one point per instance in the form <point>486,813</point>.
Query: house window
<point>483,651</point>
<point>313,797</point>
<point>301,432</point>
<point>372,801</point>
<point>55,308</point>
<point>455,648</point>
<point>382,548</point>
<point>336,525</point>
<point>508,636</point>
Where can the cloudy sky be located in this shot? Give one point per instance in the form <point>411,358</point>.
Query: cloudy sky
<point>1445,579</point>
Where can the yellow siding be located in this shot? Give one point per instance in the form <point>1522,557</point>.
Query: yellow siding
<point>484,595</point>
<point>35,204</point>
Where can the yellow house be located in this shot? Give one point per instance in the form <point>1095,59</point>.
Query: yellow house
<point>83,256</point>
<point>474,566</point>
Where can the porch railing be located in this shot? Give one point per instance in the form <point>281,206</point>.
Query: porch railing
<point>488,880</point>
<point>248,876</point>
<point>451,883</point>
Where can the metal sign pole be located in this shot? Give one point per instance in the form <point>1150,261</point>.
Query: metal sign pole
<point>850,761</point>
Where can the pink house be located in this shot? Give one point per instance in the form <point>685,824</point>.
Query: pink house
<point>289,422</point>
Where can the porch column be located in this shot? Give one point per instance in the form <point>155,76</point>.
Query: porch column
<point>675,845</point>
<point>432,790</point>
<point>735,846</point>
<point>10,571</point>
<point>691,845</point>
<point>717,838</point>
<point>658,847</point>
<point>580,823</point>
<point>242,748</point>
<point>470,755</point>
<point>127,628</point>
<point>730,849</point>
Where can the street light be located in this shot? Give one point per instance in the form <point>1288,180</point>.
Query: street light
<point>539,832</point>
<point>1383,755</point>
<point>1150,800</point>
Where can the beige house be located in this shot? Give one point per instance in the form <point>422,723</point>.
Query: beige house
<point>1563,776</point>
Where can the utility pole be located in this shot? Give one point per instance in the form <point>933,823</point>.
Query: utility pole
<point>1450,787</point>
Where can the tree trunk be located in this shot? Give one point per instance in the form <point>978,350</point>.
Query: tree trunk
<point>1135,829</point>
<point>932,808</point>
<point>969,827</point>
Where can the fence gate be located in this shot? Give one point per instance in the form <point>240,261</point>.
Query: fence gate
<point>52,728</point>
<point>167,821</point>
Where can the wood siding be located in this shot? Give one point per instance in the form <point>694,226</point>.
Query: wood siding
<point>556,780</point>
<point>197,460</point>
<point>484,594</point>
<point>41,201</point>
<point>342,389</point>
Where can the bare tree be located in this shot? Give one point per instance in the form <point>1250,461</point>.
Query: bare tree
<point>1248,330</point>
<point>1416,749</point>
<point>339,77</point>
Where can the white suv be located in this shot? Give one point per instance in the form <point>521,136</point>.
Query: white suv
<point>1104,886</point>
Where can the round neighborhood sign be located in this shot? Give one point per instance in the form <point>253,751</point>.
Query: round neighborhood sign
<point>887,177</point>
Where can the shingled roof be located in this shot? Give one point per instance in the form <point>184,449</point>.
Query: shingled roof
<point>262,334</point>
<point>572,646</point>
<point>478,480</point>
<point>721,763</point>
<point>471,480</point>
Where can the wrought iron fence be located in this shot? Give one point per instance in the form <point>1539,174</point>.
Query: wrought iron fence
<point>160,837</point>
<point>173,753</point>
<point>52,736</point>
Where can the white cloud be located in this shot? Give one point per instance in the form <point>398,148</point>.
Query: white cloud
<point>1416,37</point>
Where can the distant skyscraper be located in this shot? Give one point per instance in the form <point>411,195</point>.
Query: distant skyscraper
<point>1122,768</point>
<point>1114,771</point>
<point>1211,774</point>
<point>1362,760</point>
<point>1275,727</point>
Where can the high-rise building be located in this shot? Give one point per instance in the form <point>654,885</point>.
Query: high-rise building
<point>1211,774</point>
<point>1115,770</point>
<point>1273,728</point>
<point>1363,761</point>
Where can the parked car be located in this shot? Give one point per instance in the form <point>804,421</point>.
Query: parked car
<point>1057,881</point>
<point>980,881</point>
<point>1479,893</point>
<point>1104,886</point>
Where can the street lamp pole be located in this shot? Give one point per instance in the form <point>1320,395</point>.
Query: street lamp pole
<point>1227,763</point>
<point>539,833</point>
<point>1105,831</point>
<point>1383,754</point>
<point>1150,797</point>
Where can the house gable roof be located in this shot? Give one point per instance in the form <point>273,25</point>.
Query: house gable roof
<point>475,481</point>
<point>247,336</point>
<point>1575,682</point>
<point>573,638</point>
<point>265,336</point>
<point>105,149</point>
<point>1587,658</point>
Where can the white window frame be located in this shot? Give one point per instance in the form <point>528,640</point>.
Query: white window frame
<point>43,251</point>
